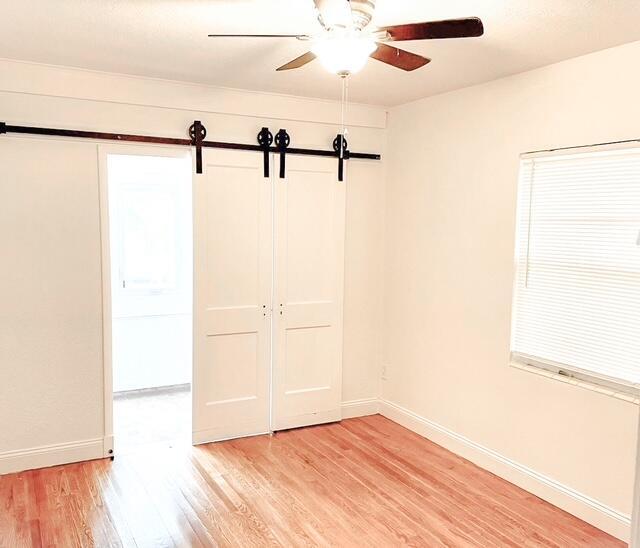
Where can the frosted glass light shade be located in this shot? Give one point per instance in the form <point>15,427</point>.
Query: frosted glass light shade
<point>344,52</point>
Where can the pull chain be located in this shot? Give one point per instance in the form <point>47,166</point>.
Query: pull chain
<point>344,102</point>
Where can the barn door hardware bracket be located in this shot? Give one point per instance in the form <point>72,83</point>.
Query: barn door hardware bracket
<point>198,132</point>
<point>282,143</point>
<point>265,140</point>
<point>197,135</point>
<point>341,147</point>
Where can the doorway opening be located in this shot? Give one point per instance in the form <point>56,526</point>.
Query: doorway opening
<point>151,249</point>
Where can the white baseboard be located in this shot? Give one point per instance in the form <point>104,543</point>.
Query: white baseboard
<point>51,455</point>
<point>360,408</point>
<point>107,445</point>
<point>586,508</point>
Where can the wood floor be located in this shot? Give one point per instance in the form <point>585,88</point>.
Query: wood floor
<point>362,482</point>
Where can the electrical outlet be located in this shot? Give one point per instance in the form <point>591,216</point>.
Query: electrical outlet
<point>383,375</point>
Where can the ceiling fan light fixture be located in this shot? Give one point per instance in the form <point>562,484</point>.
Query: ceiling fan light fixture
<point>344,52</point>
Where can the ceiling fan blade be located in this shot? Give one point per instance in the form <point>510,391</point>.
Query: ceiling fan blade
<point>298,36</point>
<point>450,28</point>
<point>298,61</point>
<point>334,13</point>
<point>399,58</point>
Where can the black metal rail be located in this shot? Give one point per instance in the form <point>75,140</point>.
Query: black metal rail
<point>198,133</point>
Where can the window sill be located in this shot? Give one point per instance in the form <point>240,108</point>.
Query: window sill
<point>629,398</point>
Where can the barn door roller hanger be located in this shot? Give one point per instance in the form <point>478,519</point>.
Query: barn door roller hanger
<point>266,143</point>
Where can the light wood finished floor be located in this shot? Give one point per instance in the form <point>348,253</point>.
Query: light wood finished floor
<point>362,482</point>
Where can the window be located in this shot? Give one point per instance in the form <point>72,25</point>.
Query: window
<point>147,240</point>
<point>576,304</point>
<point>149,243</point>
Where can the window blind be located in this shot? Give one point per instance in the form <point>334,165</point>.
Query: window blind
<point>577,287</point>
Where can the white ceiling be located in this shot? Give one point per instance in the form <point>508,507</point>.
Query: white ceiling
<point>168,39</point>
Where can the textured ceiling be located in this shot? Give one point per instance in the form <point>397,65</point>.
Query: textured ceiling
<point>168,39</point>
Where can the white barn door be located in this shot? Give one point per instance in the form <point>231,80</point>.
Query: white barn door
<point>232,296</point>
<point>308,293</point>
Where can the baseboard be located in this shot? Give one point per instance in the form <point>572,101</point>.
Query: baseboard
<point>586,508</point>
<point>107,445</point>
<point>360,408</point>
<point>51,455</point>
<point>152,391</point>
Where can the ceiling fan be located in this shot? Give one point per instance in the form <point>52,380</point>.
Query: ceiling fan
<point>346,41</point>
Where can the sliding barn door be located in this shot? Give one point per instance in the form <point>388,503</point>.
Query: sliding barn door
<point>232,295</point>
<point>308,290</point>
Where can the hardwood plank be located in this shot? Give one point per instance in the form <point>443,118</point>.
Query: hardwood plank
<point>488,488</point>
<point>312,497</point>
<point>151,472</point>
<point>450,501</point>
<point>266,494</point>
<point>361,482</point>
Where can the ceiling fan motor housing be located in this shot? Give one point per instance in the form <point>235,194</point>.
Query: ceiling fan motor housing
<point>362,12</point>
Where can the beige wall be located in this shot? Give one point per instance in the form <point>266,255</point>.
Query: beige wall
<point>51,371</point>
<point>50,319</point>
<point>451,203</point>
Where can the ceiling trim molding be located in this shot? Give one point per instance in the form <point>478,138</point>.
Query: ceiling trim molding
<point>75,83</point>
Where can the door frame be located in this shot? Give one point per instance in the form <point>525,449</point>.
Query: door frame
<point>103,151</point>
<point>634,540</point>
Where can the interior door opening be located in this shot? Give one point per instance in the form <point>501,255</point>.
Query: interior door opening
<point>151,250</point>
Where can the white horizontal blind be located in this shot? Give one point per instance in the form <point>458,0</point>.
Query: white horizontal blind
<point>577,287</point>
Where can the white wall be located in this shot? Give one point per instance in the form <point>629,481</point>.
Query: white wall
<point>50,298</point>
<point>151,351</point>
<point>451,203</point>
<point>65,388</point>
